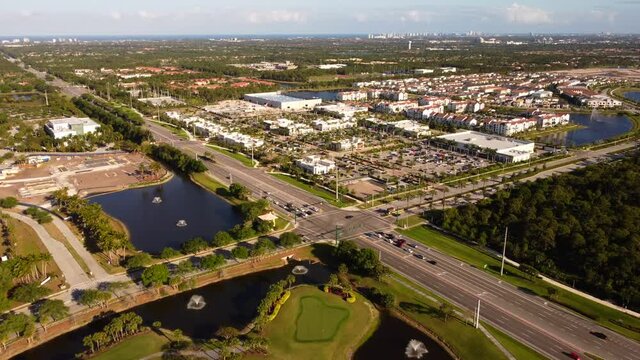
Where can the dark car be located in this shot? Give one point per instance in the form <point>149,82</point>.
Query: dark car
<point>348,217</point>
<point>599,335</point>
<point>420,256</point>
<point>432,262</point>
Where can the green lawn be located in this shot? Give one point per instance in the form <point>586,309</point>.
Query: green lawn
<point>180,132</point>
<point>463,339</point>
<point>315,190</point>
<point>136,347</point>
<point>600,313</point>
<point>244,159</point>
<point>517,349</point>
<point>317,320</point>
<point>329,327</point>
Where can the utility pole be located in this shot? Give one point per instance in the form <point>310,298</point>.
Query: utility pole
<point>252,153</point>
<point>337,234</point>
<point>504,250</point>
<point>477,315</point>
<point>337,183</point>
<point>46,98</point>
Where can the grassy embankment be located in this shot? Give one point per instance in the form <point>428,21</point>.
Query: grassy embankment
<point>220,189</point>
<point>242,158</point>
<point>315,190</point>
<point>316,325</point>
<point>135,347</point>
<point>604,315</point>
<point>177,131</point>
<point>27,242</point>
<point>518,350</point>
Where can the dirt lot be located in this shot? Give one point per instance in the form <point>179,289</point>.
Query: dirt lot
<point>365,188</point>
<point>83,175</point>
<point>629,74</point>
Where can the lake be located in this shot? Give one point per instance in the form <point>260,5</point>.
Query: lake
<point>391,338</point>
<point>234,302</point>
<point>153,226</point>
<point>633,95</point>
<point>597,127</point>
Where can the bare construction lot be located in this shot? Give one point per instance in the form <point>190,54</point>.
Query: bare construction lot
<point>80,174</point>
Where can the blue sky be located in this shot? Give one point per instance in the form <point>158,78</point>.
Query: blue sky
<point>146,17</point>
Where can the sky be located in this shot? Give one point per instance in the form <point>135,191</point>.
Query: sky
<point>180,17</point>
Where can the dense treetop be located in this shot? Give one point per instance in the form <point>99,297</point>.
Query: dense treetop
<point>581,227</point>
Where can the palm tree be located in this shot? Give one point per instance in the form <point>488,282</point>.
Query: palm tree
<point>52,310</point>
<point>44,260</point>
<point>88,341</point>
<point>290,280</point>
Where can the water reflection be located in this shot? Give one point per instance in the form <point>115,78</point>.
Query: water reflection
<point>597,127</point>
<point>154,225</point>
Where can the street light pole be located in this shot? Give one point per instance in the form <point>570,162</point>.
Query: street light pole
<point>504,250</point>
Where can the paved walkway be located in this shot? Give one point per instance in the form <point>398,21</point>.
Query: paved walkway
<point>98,271</point>
<point>71,270</point>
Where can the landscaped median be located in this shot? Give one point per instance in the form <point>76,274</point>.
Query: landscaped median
<point>314,189</point>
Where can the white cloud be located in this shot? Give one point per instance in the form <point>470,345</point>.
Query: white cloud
<point>522,14</point>
<point>147,15</point>
<point>276,16</point>
<point>415,16</point>
<point>603,15</point>
<point>115,15</point>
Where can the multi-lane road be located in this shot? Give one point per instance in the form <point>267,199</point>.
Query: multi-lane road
<point>546,327</point>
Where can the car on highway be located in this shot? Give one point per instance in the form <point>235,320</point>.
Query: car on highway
<point>432,262</point>
<point>599,335</point>
<point>348,217</point>
<point>408,250</point>
<point>420,256</point>
<point>574,355</point>
<point>415,246</point>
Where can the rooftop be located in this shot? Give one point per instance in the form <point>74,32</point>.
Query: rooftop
<point>484,140</point>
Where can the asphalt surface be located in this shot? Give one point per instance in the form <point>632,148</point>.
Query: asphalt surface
<point>546,327</point>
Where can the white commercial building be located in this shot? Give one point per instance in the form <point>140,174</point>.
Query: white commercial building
<point>506,149</point>
<point>241,140</point>
<point>287,127</point>
<point>316,165</point>
<point>334,124</point>
<point>61,128</point>
<point>510,127</point>
<point>347,144</point>
<point>352,96</point>
<point>284,102</point>
<point>602,101</point>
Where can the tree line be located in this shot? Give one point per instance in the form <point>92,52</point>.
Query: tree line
<point>176,159</point>
<point>118,329</point>
<point>582,227</point>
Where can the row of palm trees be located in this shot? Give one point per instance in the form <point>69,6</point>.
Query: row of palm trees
<point>24,269</point>
<point>120,327</point>
<point>94,223</point>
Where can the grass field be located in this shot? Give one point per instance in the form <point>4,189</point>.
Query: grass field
<point>327,326</point>
<point>244,159</point>
<point>174,129</point>
<point>517,349</point>
<point>317,320</point>
<point>136,347</point>
<point>600,313</point>
<point>315,190</point>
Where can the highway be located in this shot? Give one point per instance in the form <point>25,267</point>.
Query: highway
<point>546,327</point>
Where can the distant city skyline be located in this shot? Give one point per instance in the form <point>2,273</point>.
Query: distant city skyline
<point>147,17</point>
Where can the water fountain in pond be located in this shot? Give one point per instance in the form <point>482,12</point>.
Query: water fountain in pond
<point>196,302</point>
<point>181,223</point>
<point>415,350</point>
<point>299,270</point>
<point>157,200</point>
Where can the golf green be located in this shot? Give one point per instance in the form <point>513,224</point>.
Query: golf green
<point>317,321</point>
